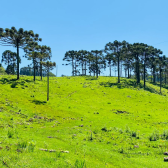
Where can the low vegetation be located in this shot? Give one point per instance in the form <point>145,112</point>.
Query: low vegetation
<point>88,122</point>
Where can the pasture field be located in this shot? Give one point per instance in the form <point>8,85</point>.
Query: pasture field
<point>88,122</point>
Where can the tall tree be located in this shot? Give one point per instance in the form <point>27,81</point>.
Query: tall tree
<point>90,60</point>
<point>118,53</point>
<point>48,65</point>
<point>161,63</point>
<point>137,51</point>
<point>45,55</point>
<point>32,52</point>
<point>109,51</point>
<point>9,58</point>
<point>69,57</point>
<point>17,38</point>
<point>83,60</point>
<point>98,61</point>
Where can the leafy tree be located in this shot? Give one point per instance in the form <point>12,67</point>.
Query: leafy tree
<point>98,62</point>
<point>2,70</point>
<point>69,57</point>
<point>26,71</point>
<point>161,63</point>
<point>45,55</point>
<point>17,38</point>
<point>127,58</point>
<point>89,61</point>
<point>82,57</point>
<point>109,50</point>
<point>49,66</point>
<point>32,51</point>
<point>9,58</point>
<point>137,51</point>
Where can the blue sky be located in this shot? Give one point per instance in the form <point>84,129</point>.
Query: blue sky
<point>87,24</point>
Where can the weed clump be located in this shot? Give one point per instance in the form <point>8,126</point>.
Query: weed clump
<point>165,135</point>
<point>154,136</point>
<point>10,134</point>
<point>22,145</point>
<point>80,164</point>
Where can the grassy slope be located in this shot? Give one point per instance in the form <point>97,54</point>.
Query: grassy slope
<point>99,122</point>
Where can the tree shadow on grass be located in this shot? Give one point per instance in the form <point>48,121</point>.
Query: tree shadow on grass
<point>128,83</point>
<point>158,84</point>
<point>14,82</point>
<point>38,102</point>
<point>91,78</point>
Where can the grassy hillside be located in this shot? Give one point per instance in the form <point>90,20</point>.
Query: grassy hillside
<point>87,123</point>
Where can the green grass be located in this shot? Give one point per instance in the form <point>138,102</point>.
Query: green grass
<point>87,123</point>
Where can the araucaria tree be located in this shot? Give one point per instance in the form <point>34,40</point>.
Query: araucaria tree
<point>45,54</point>
<point>114,50</point>
<point>32,51</point>
<point>49,66</point>
<point>70,57</point>
<point>9,58</point>
<point>17,38</point>
<point>98,62</point>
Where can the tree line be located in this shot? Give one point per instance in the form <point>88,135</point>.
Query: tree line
<point>29,42</point>
<point>137,58</point>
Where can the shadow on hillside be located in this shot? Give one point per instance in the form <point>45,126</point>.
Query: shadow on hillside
<point>126,83</point>
<point>91,78</point>
<point>38,102</point>
<point>158,84</point>
<point>14,82</point>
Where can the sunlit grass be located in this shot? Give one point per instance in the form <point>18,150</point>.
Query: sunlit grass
<point>86,123</point>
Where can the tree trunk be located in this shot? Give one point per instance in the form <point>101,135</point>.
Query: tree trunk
<point>48,84</point>
<point>89,70</point>
<point>144,70</point>
<point>118,68</point>
<point>41,68</point>
<point>137,69</point>
<point>160,80</point>
<point>121,69</point>
<point>34,69</point>
<point>128,71</point>
<point>13,68</point>
<point>96,66</point>
<point>17,45</point>
<point>154,75</point>
<point>72,68</point>
<point>110,68</point>
<point>85,68</point>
